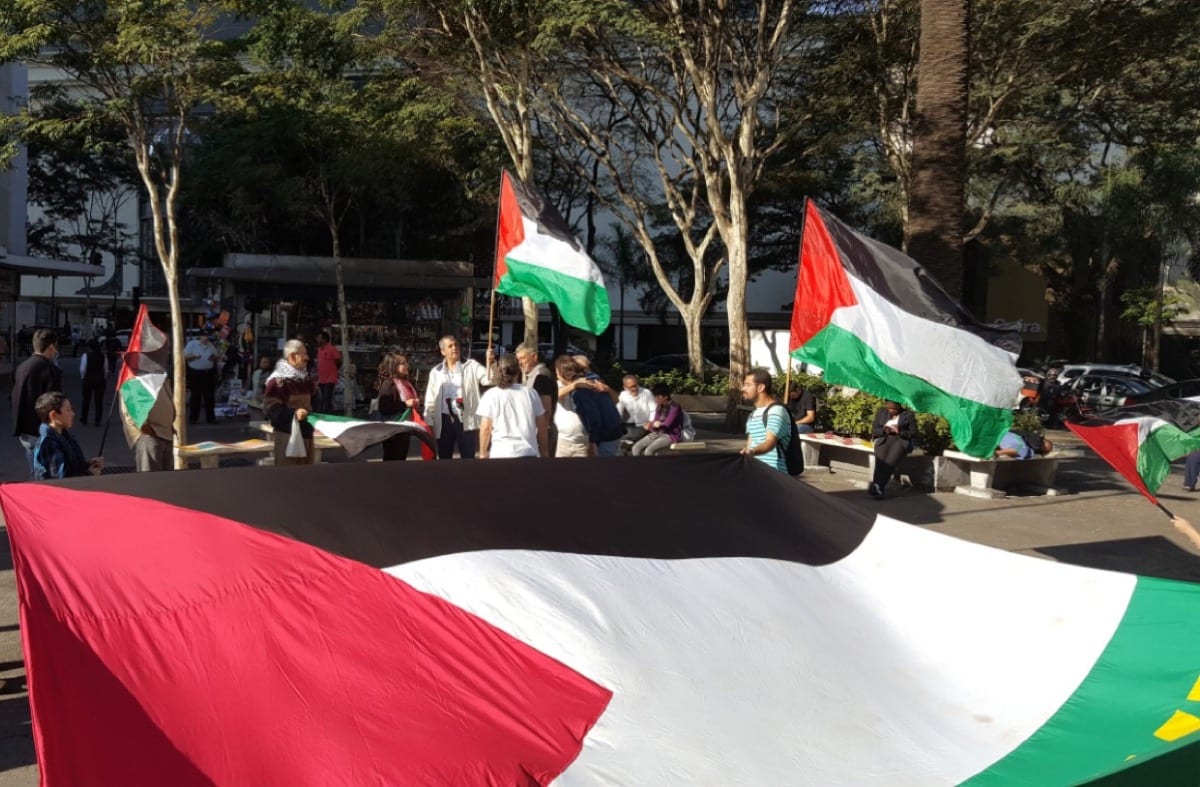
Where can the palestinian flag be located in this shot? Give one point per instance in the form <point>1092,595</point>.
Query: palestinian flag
<point>178,631</point>
<point>144,371</point>
<point>356,435</point>
<point>874,319</point>
<point>1141,441</point>
<point>538,257</point>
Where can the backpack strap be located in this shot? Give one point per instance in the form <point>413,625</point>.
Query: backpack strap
<point>779,444</point>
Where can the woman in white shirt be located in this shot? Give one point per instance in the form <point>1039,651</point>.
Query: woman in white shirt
<point>512,420</point>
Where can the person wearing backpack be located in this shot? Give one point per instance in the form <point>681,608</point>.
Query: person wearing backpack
<point>770,428</point>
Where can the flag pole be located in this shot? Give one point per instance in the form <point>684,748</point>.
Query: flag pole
<point>108,418</point>
<point>1164,509</point>
<point>495,252</point>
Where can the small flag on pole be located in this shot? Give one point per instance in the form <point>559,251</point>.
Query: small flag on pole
<point>1141,441</point>
<point>143,375</point>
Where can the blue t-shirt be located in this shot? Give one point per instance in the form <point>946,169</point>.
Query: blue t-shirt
<point>779,422</point>
<point>1014,440</point>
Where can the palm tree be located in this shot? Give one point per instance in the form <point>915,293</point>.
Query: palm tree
<point>936,198</point>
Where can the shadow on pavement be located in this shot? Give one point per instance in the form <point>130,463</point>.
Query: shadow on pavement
<point>1152,556</point>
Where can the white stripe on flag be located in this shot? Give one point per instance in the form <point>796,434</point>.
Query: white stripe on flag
<point>917,660</point>
<point>957,362</point>
<point>545,251</point>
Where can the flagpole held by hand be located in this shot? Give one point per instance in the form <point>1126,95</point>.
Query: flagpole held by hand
<point>108,419</point>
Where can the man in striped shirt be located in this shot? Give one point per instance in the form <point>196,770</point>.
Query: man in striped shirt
<point>769,427</point>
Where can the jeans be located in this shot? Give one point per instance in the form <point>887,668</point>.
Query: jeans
<point>804,428</point>
<point>29,442</point>
<point>1191,469</point>
<point>609,448</point>
<point>651,444</point>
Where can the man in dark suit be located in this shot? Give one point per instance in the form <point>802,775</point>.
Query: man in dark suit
<point>36,375</point>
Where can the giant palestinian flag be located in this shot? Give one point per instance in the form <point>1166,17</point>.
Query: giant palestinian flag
<point>355,435</point>
<point>179,631</point>
<point>144,370</point>
<point>874,319</point>
<point>1141,441</point>
<point>538,257</point>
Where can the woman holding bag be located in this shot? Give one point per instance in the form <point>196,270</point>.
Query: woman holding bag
<point>287,398</point>
<point>396,394</point>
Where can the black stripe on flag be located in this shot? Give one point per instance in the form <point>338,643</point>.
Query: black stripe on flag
<point>1181,413</point>
<point>906,285</point>
<point>389,513</point>
<point>542,212</point>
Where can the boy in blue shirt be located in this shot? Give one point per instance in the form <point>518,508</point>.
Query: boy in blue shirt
<point>56,454</point>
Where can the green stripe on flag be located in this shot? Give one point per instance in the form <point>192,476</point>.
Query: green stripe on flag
<point>581,302</point>
<point>138,399</point>
<point>1141,698</point>
<point>847,360</point>
<point>1163,445</point>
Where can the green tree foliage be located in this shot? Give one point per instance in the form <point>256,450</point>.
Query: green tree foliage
<point>147,69</point>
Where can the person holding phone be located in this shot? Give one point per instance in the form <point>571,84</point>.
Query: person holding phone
<point>893,431</point>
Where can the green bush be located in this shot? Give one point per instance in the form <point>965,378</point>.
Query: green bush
<point>1027,422</point>
<point>852,416</point>
<point>684,383</point>
<point>933,433</point>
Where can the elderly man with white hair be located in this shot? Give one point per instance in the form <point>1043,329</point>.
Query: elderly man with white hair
<point>287,400</point>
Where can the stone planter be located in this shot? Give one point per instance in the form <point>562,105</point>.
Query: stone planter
<point>698,403</point>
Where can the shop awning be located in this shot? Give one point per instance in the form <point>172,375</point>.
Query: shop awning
<point>357,272</point>
<point>37,266</point>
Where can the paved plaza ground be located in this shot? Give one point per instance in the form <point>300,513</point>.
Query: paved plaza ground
<point>1101,522</point>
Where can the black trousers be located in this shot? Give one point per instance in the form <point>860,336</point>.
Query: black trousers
<point>326,393</point>
<point>453,435</point>
<point>395,448</point>
<point>889,450</point>
<point>93,391</point>
<point>203,385</point>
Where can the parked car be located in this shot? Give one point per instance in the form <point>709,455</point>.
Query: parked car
<point>1071,371</point>
<point>676,362</point>
<point>546,351</point>
<point>1104,390</point>
<point>1183,389</point>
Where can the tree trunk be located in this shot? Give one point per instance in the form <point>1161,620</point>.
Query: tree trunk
<point>348,394</point>
<point>736,246</point>
<point>937,197</point>
<point>162,212</point>
<point>530,310</point>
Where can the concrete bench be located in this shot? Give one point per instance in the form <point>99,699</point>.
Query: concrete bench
<point>209,453</point>
<point>320,441</point>
<point>824,453</point>
<point>991,478</point>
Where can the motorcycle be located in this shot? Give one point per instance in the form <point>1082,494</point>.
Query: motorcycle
<point>1051,402</point>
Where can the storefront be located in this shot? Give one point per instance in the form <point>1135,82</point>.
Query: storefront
<point>405,305</point>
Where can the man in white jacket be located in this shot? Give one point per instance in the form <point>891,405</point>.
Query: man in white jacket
<point>452,401</point>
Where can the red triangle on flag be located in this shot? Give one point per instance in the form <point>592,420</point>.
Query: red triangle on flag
<point>510,230</point>
<point>169,646</point>
<point>821,284</point>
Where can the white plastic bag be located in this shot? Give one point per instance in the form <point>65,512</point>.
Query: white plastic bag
<point>295,446</point>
